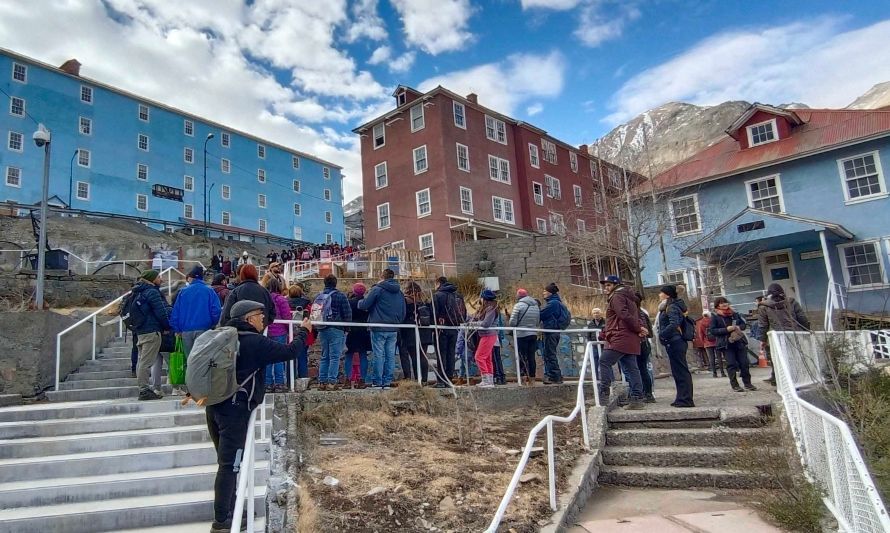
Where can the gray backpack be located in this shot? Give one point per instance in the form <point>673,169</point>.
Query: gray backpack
<point>210,373</point>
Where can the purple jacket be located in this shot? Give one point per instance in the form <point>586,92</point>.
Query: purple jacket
<point>282,312</point>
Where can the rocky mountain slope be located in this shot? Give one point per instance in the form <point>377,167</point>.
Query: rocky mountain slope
<point>676,130</point>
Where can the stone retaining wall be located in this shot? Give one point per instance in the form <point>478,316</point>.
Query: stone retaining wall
<point>63,289</point>
<point>519,261</point>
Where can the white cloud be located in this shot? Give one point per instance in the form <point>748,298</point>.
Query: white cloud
<point>381,55</point>
<point>366,23</point>
<point>384,55</point>
<point>435,26</point>
<point>505,85</point>
<point>814,62</point>
<point>558,5</point>
<point>599,22</point>
<point>534,109</point>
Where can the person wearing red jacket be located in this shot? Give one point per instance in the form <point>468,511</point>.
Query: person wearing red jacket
<point>622,335</point>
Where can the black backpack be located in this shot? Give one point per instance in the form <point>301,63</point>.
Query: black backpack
<point>423,317</point>
<point>455,309</point>
<point>132,310</point>
<point>687,328</point>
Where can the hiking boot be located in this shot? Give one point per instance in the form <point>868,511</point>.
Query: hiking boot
<point>548,381</point>
<point>322,386</point>
<point>281,387</point>
<point>148,394</point>
<point>635,405</point>
<point>441,385</point>
<point>649,399</point>
<point>221,527</point>
<point>737,388</point>
<point>722,373</point>
<point>359,385</point>
<point>133,374</point>
<point>270,389</point>
<point>750,386</point>
<point>715,373</point>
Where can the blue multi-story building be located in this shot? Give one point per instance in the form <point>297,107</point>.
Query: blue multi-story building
<point>790,196</point>
<point>117,153</point>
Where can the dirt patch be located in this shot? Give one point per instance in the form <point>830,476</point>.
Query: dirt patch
<point>415,461</point>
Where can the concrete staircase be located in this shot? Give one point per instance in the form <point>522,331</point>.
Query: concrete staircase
<point>109,463</point>
<point>682,448</point>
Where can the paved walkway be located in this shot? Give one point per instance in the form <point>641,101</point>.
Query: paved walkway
<point>632,510</point>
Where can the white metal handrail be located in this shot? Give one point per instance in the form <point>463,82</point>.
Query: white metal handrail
<point>124,262</point>
<point>94,318</point>
<point>247,475</point>
<point>828,451</point>
<point>547,421</point>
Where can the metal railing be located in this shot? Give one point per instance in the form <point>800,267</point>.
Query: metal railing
<point>247,473</point>
<point>835,300</point>
<point>547,422</point>
<point>827,448</point>
<point>131,262</point>
<point>94,316</point>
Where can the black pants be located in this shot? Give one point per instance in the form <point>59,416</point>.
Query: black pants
<point>676,350</point>
<point>737,361</point>
<point>551,362</point>
<point>134,353</point>
<point>643,364</point>
<point>227,423</point>
<point>497,364</point>
<point>408,357</point>
<point>527,346</point>
<point>447,343</point>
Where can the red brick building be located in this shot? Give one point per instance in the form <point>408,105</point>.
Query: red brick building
<point>440,168</point>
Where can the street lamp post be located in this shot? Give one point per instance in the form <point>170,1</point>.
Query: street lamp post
<point>209,192</point>
<point>209,136</point>
<point>71,178</point>
<point>42,138</point>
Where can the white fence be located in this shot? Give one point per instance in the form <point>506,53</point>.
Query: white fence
<point>829,453</point>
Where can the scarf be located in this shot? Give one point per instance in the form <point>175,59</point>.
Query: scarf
<point>662,305</point>
<point>726,313</point>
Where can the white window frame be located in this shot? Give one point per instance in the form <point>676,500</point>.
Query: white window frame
<point>298,210</point>
<point>425,159</point>
<point>402,98</point>
<point>539,194</point>
<point>557,224</point>
<point>750,193</point>
<point>378,184</point>
<point>581,226</point>
<point>457,147</point>
<point>549,149</point>
<point>21,141</point>
<point>185,211</point>
<point>188,155</point>
<point>598,202</point>
<point>139,113</point>
<point>395,245</point>
<point>577,194</point>
<point>261,175</point>
<point>421,213</point>
<point>388,216</point>
<point>12,101</point>
<point>261,201</point>
<point>295,162</point>
<point>573,161</point>
<point>326,173</point>
<point>297,186</point>
<point>261,150</point>
<point>298,233</point>
<point>139,168</point>
<point>552,187</point>
<point>188,183</point>
<point>18,177</point>
<point>413,119</point>
<point>225,139</point>
<point>86,94</point>
<point>139,138</point>
<point>24,69</point>
<point>143,198</point>
<point>432,246</point>
<point>80,158</point>
<point>469,200</point>
<point>694,197</point>
<point>504,203</point>
<point>225,218</point>
<point>501,169</point>
<point>883,184</point>
<point>750,130</point>
<point>876,243</point>
<point>188,125</point>
<point>262,225</point>
<point>327,195</point>
<point>495,130</point>
<point>89,124</point>
<point>77,190</point>
<point>670,277</point>
<point>541,224</point>
<point>328,238</point>
<point>455,105</point>
<point>225,166</point>
<point>225,192</point>
<point>382,135</point>
<point>534,156</point>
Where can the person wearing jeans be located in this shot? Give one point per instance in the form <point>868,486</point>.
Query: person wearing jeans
<point>623,334</point>
<point>385,304</point>
<point>332,338</point>
<point>383,368</point>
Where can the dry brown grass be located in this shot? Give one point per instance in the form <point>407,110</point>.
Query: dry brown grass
<point>308,511</point>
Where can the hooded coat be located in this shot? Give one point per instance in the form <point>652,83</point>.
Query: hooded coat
<point>526,314</point>
<point>385,304</point>
<point>671,320</point>
<point>623,326</point>
<point>447,303</point>
<point>780,315</point>
<point>157,314</point>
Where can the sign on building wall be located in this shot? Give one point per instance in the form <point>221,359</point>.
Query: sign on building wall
<point>166,191</point>
<point>815,254</point>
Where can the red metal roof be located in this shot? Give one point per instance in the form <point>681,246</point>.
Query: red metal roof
<point>822,129</point>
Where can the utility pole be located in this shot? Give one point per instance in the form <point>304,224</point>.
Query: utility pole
<point>42,138</point>
<point>209,136</point>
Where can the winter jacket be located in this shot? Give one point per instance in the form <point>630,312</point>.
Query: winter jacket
<point>253,291</point>
<point>358,338</point>
<point>412,317</point>
<point>282,312</point>
<point>526,314</point>
<point>595,324</point>
<point>340,310</point>
<point>718,326</point>
<point>781,315</point>
<point>703,338</point>
<point>623,326</point>
<point>216,263</point>
<point>445,314</point>
<point>255,351</point>
<point>483,321</point>
<point>197,308</point>
<point>300,303</point>
<point>222,292</point>
<point>502,336</point>
<point>551,312</point>
<point>157,312</point>
<point>671,320</point>
<point>385,304</point>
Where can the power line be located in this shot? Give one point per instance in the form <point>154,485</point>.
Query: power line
<point>25,111</point>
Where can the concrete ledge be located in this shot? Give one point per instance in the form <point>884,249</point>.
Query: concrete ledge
<point>10,399</point>
<point>649,415</point>
<point>741,417</point>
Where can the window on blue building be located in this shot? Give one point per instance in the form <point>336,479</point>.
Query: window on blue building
<point>862,265</point>
<point>261,201</point>
<point>225,140</point>
<point>142,171</point>
<point>685,215</point>
<point>15,141</point>
<point>188,127</point>
<point>765,194</point>
<point>188,211</point>
<point>188,183</point>
<point>261,151</point>
<point>328,217</point>
<point>262,225</point>
<point>83,190</point>
<point>298,210</point>
<point>141,202</point>
<point>20,73</point>
<point>326,173</point>
<point>17,106</point>
<point>328,238</point>
<point>188,155</point>
<point>295,161</point>
<point>143,112</point>
<point>13,176</point>
<point>862,177</point>
<point>226,218</point>
<point>296,185</point>
<point>226,192</point>
<point>86,126</point>
<point>142,142</point>
<point>261,175</point>
<point>225,166</point>
<point>86,94</point>
<point>327,195</point>
<point>83,158</point>
<point>298,233</point>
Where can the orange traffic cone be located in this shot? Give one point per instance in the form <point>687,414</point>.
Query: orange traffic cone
<point>761,359</point>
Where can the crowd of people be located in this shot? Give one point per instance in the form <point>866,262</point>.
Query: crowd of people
<point>220,264</point>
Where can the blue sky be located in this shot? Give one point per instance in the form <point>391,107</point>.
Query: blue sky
<point>304,73</point>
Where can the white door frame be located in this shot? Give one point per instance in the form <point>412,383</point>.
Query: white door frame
<point>764,271</point>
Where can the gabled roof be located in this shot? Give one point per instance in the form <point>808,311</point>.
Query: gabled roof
<point>787,114</point>
<point>401,88</point>
<point>821,130</point>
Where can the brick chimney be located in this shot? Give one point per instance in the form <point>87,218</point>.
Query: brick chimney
<point>72,66</point>
<point>473,98</point>
<point>583,148</point>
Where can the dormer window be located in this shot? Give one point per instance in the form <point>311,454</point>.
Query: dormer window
<point>762,133</point>
<point>402,98</point>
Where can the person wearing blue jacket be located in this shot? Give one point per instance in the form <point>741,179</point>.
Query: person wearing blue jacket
<point>196,309</point>
<point>155,311</point>
<point>550,314</point>
<point>385,304</point>
<point>332,338</point>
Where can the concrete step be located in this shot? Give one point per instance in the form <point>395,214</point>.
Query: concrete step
<point>116,514</point>
<point>57,491</point>
<point>103,393</point>
<point>673,456</point>
<point>113,462</point>
<point>89,376</point>
<point>720,436</point>
<point>116,440</point>
<point>102,365</point>
<point>49,411</point>
<point>97,383</point>
<point>664,415</point>
<point>192,527</point>
<point>679,477</point>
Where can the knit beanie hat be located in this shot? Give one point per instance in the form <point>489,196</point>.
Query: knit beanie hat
<point>521,293</point>
<point>359,289</point>
<point>776,291</point>
<point>670,290</point>
<point>552,288</point>
<point>197,272</point>
<point>149,275</point>
<point>489,295</point>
